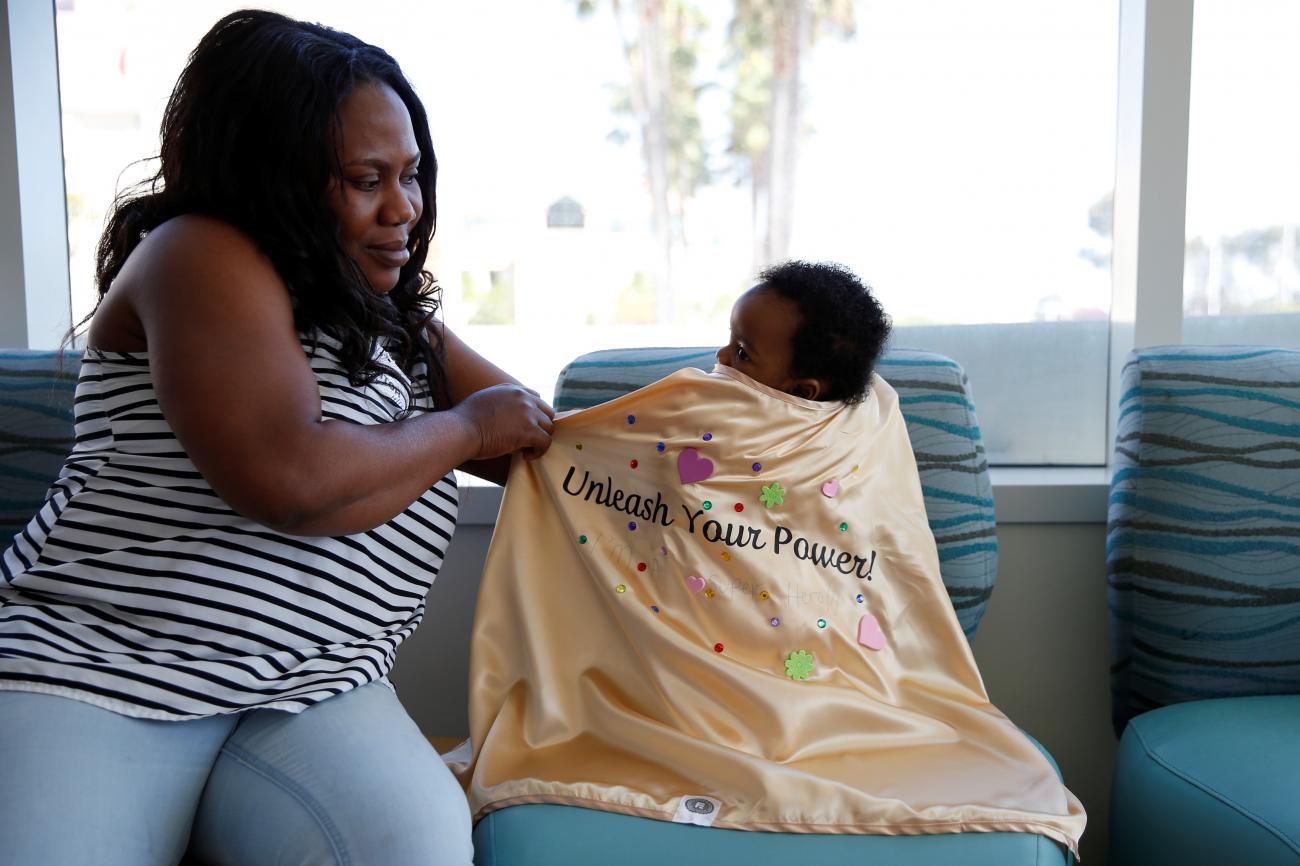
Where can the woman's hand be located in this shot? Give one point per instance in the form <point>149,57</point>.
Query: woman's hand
<point>470,374</point>
<point>508,418</point>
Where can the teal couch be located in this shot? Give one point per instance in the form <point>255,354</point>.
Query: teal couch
<point>36,390</point>
<point>1203,572</point>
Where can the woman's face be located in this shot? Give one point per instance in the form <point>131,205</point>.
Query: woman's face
<point>377,200</point>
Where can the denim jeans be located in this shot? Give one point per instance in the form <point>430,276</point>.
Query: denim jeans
<point>348,781</point>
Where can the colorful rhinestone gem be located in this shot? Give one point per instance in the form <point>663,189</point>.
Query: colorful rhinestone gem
<point>620,588</point>
<point>707,436</point>
<point>774,621</point>
<point>632,463</point>
<point>821,623</point>
<point>717,647</point>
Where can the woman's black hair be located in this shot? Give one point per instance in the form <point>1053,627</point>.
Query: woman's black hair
<point>250,137</point>
<point>842,328</point>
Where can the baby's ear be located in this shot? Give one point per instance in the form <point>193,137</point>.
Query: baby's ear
<point>809,389</point>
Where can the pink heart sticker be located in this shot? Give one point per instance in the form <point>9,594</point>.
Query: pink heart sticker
<point>869,633</point>
<point>830,488</point>
<point>695,584</point>
<point>691,467</point>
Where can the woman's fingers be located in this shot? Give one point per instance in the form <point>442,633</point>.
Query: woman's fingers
<point>509,418</point>
<point>540,440</point>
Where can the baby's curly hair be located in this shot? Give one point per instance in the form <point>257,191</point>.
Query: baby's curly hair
<point>843,328</point>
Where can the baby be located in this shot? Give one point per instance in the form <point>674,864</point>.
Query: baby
<point>809,329</point>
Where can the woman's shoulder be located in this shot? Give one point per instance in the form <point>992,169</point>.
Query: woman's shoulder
<point>178,266</point>
<point>193,270</point>
<point>192,254</point>
<point>195,242</point>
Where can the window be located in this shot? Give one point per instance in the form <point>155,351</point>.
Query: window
<point>1241,279</point>
<point>958,156</point>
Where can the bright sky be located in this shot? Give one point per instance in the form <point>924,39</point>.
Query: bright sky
<point>1244,130</point>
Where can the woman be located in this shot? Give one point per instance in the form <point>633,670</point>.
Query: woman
<point>196,628</point>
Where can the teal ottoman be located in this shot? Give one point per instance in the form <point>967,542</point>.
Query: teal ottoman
<point>1203,573</point>
<point>1209,782</point>
<point>548,835</point>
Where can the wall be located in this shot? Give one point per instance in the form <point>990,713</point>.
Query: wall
<point>1042,649</point>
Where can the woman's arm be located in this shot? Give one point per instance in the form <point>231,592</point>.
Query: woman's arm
<point>469,372</point>
<point>235,386</point>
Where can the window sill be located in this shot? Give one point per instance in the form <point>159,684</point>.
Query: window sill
<point>1050,494</point>
<point>1022,495</point>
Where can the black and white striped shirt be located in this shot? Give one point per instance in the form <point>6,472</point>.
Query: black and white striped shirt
<point>135,588</point>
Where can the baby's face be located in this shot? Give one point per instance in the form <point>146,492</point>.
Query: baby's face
<point>762,325</point>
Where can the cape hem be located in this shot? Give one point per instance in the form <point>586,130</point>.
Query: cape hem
<point>918,828</point>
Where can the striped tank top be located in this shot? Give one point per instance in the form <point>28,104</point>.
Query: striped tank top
<point>135,588</point>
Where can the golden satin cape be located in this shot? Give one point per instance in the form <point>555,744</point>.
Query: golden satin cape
<point>711,589</point>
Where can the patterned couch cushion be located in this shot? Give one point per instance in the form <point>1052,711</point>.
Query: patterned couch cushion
<point>935,397</point>
<point>1203,544</point>
<point>35,431</point>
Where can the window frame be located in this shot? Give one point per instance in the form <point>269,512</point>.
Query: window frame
<point>35,294</point>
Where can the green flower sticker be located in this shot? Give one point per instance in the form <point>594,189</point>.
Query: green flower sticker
<point>799,665</point>
<point>772,495</point>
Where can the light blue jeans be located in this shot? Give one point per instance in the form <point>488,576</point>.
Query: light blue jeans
<point>348,781</point>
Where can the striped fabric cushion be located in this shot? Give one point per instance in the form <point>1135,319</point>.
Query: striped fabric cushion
<point>1203,545</point>
<point>35,431</point>
<point>935,398</point>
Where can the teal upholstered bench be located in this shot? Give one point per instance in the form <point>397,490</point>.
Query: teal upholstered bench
<point>936,402</point>
<point>1203,567</point>
<point>1209,782</point>
<point>36,390</point>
